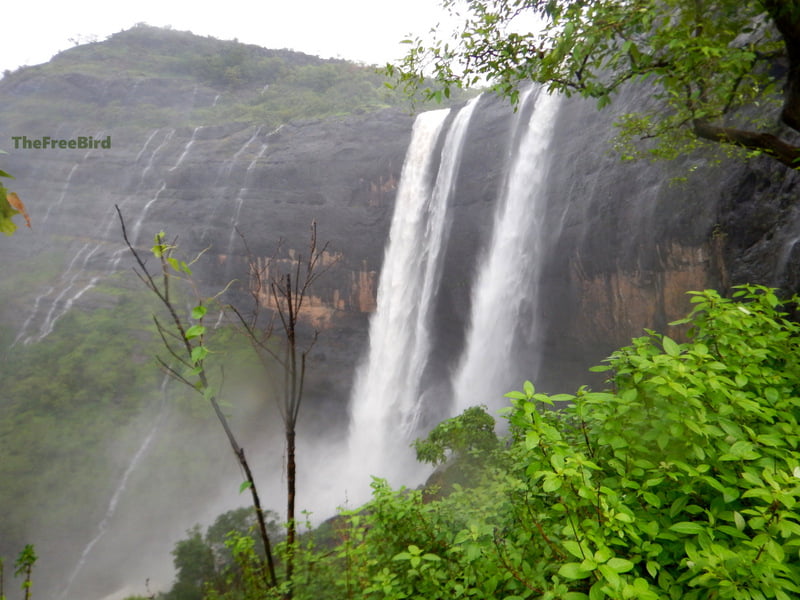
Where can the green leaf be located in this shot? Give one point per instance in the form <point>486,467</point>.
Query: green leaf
<point>551,484</point>
<point>687,527</point>
<point>602,555</point>
<point>573,571</point>
<point>744,450</point>
<point>670,347</point>
<point>195,331</point>
<point>652,499</point>
<point>199,353</point>
<point>246,485</point>
<point>198,312</point>
<point>620,565</point>
<point>573,548</point>
<point>653,567</point>
<point>610,574</point>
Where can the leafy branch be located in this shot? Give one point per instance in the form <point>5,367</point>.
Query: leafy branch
<point>186,345</point>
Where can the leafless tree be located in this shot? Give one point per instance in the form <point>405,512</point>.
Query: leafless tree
<point>280,289</point>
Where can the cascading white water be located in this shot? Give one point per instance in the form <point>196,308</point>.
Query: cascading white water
<point>146,144</point>
<point>56,311</point>
<point>72,284</point>
<point>385,404</point>
<point>137,226</point>
<point>57,205</point>
<point>149,166</point>
<point>186,148</point>
<point>111,509</point>
<point>240,197</point>
<point>227,166</point>
<point>63,301</point>
<point>68,274</point>
<point>508,272</point>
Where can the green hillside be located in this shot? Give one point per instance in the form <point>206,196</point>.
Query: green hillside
<point>149,76</point>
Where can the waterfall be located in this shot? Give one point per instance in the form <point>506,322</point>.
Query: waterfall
<point>111,509</point>
<point>67,274</point>
<point>59,306</point>
<point>385,406</point>
<point>60,201</point>
<point>149,166</point>
<point>507,275</point>
<point>240,197</point>
<point>186,148</point>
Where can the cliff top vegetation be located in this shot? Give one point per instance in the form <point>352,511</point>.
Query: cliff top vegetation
<point>149,76</point>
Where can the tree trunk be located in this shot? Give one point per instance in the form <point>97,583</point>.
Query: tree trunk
<point>291,470</point>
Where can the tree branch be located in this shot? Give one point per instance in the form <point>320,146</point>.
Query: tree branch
<point>770,144</point>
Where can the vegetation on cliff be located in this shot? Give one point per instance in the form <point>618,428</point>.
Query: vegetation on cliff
<point>680,481</point>
<point>153,77</point>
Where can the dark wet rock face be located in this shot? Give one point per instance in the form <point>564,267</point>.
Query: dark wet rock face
<point>624,242</point>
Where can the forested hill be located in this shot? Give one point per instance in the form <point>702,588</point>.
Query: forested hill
<point>154,77</point>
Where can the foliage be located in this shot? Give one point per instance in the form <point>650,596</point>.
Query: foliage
<point>24,566</point>
<point>56,422</point>
<point>681,481</point>
<point>703,61</point>
<point>10,205</point>
<point>224,558</point>
<point>469,434</point>
<point>187,350</point>
<point>208,82</point>
<point>194,564</point>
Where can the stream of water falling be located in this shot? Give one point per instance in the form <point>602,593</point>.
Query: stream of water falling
<point>385,405</point>
<point>239,201</point>
<point>111,509</point>
<point>508,274</point>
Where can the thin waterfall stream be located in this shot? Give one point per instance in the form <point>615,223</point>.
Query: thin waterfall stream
<point>119,490</point>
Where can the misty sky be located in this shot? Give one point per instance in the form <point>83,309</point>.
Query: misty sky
<point>361,30</point>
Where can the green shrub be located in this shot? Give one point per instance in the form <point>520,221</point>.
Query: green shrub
<point>680,482</point>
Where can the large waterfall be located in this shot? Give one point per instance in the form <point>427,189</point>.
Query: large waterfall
<point>386,402</point>
<point>505,286</point>
<point>386,398</point>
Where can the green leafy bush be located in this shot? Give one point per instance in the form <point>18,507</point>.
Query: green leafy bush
<point>679,482</point>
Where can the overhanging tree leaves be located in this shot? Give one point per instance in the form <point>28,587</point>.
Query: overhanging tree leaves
<point>716,68</point>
